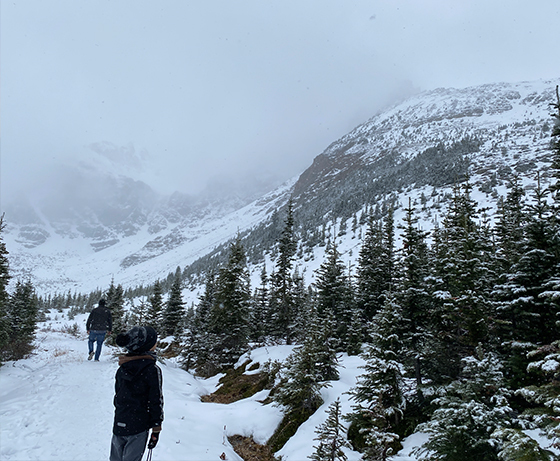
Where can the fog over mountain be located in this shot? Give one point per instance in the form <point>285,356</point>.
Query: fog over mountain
<point>114,225</point>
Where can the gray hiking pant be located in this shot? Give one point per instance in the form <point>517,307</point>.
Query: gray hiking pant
<point>128,447</point>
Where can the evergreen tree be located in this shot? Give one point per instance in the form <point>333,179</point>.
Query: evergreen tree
<point>331,436</point>
<point>302,300</point>
<point>22,310</point>
<point>412,294</point>
<point>138,311</point>
<point>379,392</point>
<point>154,314</point>
<point>532,313</point>
<point>355,336</point>
<point>173,313</point>
<point>515,445</point>
<point>471,409</point>
<point>555,145</point>
<point>376,265</point>
<point>260,314</point>
<point>282,284</point>
<point>334,296</point>
<point>465,276</point>
<point>199,348</point>
<point>115,303</point>
<point>229,316</point>
<point>4,280</point>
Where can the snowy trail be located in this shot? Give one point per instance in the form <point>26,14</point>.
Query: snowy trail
<point>57,405</point>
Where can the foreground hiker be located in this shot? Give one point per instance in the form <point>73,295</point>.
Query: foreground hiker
<point>99,322</point>
<point>138,396</point>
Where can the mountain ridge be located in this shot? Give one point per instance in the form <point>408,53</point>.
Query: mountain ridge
<point>419,148</point>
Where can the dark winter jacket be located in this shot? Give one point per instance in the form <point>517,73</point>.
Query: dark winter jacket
<point>100,319</point>
<point>138,395</point>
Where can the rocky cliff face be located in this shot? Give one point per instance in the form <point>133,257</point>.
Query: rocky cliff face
<point>435,138</point>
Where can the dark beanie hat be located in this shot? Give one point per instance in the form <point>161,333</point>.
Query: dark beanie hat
<point>102,302</point>
<point>137,339</point>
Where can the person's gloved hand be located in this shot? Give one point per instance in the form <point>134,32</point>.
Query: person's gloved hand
<point>153,439</point>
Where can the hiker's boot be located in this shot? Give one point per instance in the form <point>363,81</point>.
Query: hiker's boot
<point>90,356</point>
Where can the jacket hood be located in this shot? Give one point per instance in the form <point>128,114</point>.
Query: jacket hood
<point>133,365</point>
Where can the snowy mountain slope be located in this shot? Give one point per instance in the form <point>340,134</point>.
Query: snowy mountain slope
<point>62,263</point>
<point>416,150</point>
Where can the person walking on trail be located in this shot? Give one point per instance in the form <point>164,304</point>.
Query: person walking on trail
<point>99,322</point>
<point>138,396</point>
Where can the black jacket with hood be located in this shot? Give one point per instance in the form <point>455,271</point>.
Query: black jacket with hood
<point>100,319</point>
<point>138,395</point>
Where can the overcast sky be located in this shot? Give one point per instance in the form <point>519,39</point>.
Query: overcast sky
<point>211,88</point>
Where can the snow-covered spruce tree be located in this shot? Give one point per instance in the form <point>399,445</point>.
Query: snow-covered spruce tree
<point>532,278</point>
<point>229,314</point>
<point>138,310</point>
<point>4,280</point>
<point>515,445</point>
<point>464,278</point>
<point>115,303</point>
<point>198,349</point>
<point>379,393</point>
<point>376,265</point>
<point>305,372</point>
<point>281,301</point>
<point>334,298</point>
<point>154,315</point>
<point>552,292</point>
<point>173,312</point>
<point>22,311</point>
<point>302,298</point>
<point>412,294</point>
<point>331,436</point>
<point>543,395</point>
<point>471,409</point>
<point>555,146</point>
<point>259,323</point>
<point>355,336</point>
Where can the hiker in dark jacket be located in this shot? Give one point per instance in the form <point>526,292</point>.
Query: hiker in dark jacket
<point>138,396</point>
<point>99,322</point>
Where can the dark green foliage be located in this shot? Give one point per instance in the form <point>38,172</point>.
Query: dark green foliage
<point>464,279</point>
<point>115,303</point>
<point>334,300</point>
<point>230,310</point>
<point>376,265</point>
<point>4,280</point>
<point>470,409</point>
<point>173,313</point>
<point>379,392</point>
<point>412,295</point>
<point>331,436</point>
<point>281,299</point>
<point>154,314</point>
<point>21,313</point>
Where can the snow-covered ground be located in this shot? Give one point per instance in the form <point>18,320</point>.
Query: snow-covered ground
<point>57,405</point>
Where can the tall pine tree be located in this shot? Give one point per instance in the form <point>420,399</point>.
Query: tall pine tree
<point>173,313</point>
<point>229,315</point>
<point>281,301</point>
<point>4,280</point>
<point>334,296</point>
